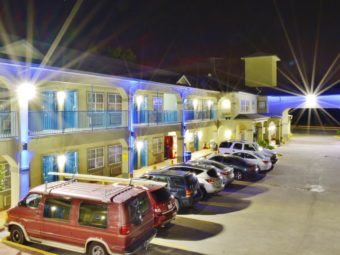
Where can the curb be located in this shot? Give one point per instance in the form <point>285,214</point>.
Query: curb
<point>24,247</point>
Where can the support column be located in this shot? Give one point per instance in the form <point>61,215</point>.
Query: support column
<point>181,158</point>
<point>24,155</point>
<point>132,135</point>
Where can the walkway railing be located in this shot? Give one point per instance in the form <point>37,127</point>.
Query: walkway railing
<point>8,123</point>
<point>53,122</point>
<point>190,115</point>
<point>156,117</point>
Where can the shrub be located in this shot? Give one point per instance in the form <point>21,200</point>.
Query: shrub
<point>338,132</point>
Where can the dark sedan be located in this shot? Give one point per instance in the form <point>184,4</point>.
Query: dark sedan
<point>242,169</point>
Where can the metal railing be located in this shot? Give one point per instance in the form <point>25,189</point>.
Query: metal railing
<point>191,115</point>
<point>53,122</point>
<point>156,117</point>
<point>8,121</point>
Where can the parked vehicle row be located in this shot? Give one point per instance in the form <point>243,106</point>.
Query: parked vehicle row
<point>121,218</point>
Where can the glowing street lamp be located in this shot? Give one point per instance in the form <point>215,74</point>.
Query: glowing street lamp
<point>311,101</point>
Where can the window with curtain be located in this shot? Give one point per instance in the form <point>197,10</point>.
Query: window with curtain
<point>114,102</point>
<point>95,158</point>
<point>157,145</point>
<point>115,154</point>
<point>95,101</point>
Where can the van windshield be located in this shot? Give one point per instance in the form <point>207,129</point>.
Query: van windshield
<point>161,195</point>
<point>137,207</point>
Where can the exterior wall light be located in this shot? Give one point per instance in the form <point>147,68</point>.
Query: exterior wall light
<point>227,134</point>
<point>61,96</point>
<point>272,127</point>
<point>200,134</point>
<point>139,100</point>
<point>226,104</point>
<point>61,162</point>
<point>26,91</point>
<point>195,103</point>
<point>209,103</point>
<point>139,145</point>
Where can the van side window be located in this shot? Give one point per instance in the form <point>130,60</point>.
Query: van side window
<point>237,146</point>
<point>249,147</point>
<point>58,209</point>
<point>93,215</point>
<point>33,200</point>
<point>225,144</point>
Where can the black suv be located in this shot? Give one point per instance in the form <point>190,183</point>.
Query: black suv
<point>183,185</point>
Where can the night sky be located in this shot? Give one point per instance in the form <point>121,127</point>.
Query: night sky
<point>185,35</point>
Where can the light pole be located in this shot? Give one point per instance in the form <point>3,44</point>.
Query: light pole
<point>25,92</point>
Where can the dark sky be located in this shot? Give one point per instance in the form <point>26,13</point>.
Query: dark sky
<point>184,35</point>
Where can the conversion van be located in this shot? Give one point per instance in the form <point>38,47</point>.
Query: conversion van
<point>84,217</point>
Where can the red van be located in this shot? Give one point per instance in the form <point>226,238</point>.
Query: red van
<point>84,217</point>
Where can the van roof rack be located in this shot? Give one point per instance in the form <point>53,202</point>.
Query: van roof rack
<point>57,185</point>
<point>114,193</point>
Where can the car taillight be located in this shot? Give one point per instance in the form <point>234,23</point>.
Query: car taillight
<point>125,230</point>
<point>265,161</point>
<point>157,210</point>
<point>210,180</point>
<point>188,192</point>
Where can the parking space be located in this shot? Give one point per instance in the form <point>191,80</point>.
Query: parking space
<point>294,209</point>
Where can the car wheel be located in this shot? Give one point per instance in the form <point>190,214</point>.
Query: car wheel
<point>204,193</point>
<point>17,235</point>
<point>238,175</point>
<point>177,204</point>
<point>97,249</point>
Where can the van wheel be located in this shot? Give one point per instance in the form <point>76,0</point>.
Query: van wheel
<point>17,236</point>
<point>96,249</point>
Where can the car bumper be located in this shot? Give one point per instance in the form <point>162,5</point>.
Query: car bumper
<point>164,218</point>
<point>141,245</point>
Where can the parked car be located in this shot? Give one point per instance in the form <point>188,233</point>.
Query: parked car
<point>267,152</point>
<point>162,202</point>
<point>84,217</point>
<point>184,186</point>
<point>241,167</point>
<point>209,179</point>
<point>229,147</point>
<point>263,163</point>
<point>226,172</point>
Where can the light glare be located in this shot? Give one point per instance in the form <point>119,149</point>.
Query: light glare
<point>310,101</point>
<point>26,91</point>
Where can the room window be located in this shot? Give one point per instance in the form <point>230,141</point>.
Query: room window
<point>262,105</point>
<point>158,104</point>
<point>114,102</point>
<point>95,101</point>
<point>245,105</point>
<point>115,154</point>
<point>157,145</point>
<point>95,158</point>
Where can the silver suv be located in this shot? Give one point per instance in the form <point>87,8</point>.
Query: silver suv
<point>229,147</point>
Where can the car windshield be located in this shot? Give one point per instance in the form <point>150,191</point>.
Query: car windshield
<point>161,195</point>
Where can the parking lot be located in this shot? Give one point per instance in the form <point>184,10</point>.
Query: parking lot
<point>294,209</point>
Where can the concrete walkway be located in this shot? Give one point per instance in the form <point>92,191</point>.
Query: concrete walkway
<point>194,155</point>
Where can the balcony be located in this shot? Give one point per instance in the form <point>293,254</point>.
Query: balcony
<point>52,122</point>
<point>190,115</point>
<point>145,117</point>
<point>7,124</point>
